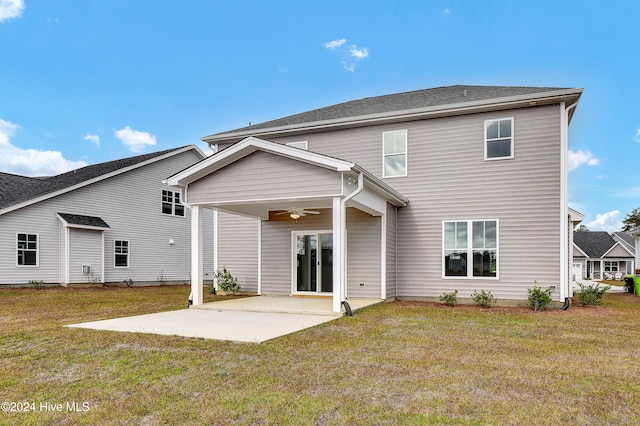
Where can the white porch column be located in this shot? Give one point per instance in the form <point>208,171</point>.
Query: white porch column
<point>196,255</point>
<point>338,253</point>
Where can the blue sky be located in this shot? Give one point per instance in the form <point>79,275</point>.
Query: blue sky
<point>86,81</point>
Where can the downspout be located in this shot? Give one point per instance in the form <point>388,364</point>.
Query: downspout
<point>343,208</point>
<point>564,209</point>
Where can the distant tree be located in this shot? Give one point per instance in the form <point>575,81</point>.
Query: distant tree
<point>632,220</point>
<point>582,228</point>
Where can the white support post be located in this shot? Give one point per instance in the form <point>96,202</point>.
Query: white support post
<point>216,220</point>
<point>383,256</point>
<point>196,255</point>
<point>338,253</point>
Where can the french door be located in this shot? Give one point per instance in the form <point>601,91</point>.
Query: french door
<point>313,262</point>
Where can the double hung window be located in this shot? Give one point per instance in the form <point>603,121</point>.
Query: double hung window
<point>394,153</point>
<point>27,249</point>
<point>121,253</point>
<point>498,139</point>
<point>171,204</point>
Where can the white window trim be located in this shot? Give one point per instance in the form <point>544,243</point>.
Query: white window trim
<point>173,204</point>
<point>128,255</point>
<point>611,264</point>
<point>470,275</point>
<point>513,137</point>
<point>406,155</point>
<point>299,144</point>
<point>37,265</point>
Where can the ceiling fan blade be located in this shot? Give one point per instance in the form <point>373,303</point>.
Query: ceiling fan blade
<point>310,212</point>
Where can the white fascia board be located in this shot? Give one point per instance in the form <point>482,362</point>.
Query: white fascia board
<point>580,250</point>
<point>382,188</point>
<point>98,179</point>
<point>575,216</point>
<point>531,99</point>
<point>248,146</point>
<point>614,246</point>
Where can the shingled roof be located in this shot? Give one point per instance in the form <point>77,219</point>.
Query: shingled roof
<point>400,102</point>
<point>594,243</point>
<point>15,189</point>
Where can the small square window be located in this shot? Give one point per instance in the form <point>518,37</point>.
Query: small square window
<point>498,141</point>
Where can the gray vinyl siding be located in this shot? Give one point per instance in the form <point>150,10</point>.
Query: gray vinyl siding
<point>85,248</point>
<point>448,179</point>
<point>277,246</point>
<point>391,250</point>
<point>130,203</point>
<point>363,254</point>
<point>262,175</point>
<point>238,248</point>
<point>363,251</point>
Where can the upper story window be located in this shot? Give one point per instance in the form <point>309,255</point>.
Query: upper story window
<point>394,153</point>
<point>171,204</point>
<point>27,249</point>
<point>498,138</point>
<point>470,248</point>
<point>302,145</point>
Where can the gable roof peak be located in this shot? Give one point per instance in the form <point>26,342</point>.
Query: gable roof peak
<point>17,191</point>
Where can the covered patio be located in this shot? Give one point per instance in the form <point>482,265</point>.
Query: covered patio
<point>302,202</point>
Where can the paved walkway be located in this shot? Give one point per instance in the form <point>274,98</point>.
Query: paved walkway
<point>252,319</point>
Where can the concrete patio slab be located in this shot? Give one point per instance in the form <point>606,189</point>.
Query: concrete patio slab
<point>252,319</point>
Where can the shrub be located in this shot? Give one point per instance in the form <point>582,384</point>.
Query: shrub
<point>162,279</point>
<point>450,299</point>
<point>539,298</point>
<point>226,282</point>
<point>592,294</point>
<point>484,299</point>
<point>37,284</point>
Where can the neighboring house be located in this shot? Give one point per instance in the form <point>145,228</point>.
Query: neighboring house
<point>600,255</point>
<point>107,222</point>
<point>409,195</point>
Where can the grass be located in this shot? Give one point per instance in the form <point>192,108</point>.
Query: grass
<point>396,363</point>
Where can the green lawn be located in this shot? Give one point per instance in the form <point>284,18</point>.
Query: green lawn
<point>389,364</point>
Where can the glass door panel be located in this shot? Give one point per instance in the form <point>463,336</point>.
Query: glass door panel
<point>314,262</point>
<point>326,263</point>
<point>307,260</point>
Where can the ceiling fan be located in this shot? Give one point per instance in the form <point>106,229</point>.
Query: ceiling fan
<point>297,212</point>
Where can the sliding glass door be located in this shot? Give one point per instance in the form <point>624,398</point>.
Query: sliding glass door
<point>313,262</point>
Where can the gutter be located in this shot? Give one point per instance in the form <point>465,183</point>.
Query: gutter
<point>400,115</point>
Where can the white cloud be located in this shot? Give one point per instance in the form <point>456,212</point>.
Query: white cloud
<point>94,139</point>
<point>335,43</point>
<point>446,12</point>
<point>606,222</point>
<point>10,9</point>
<point>351,55</point>
<point>578,158</point>
<point>30,162</point>
<point>135,140</point>
<point>637,136</point>
<point>358,53</point>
